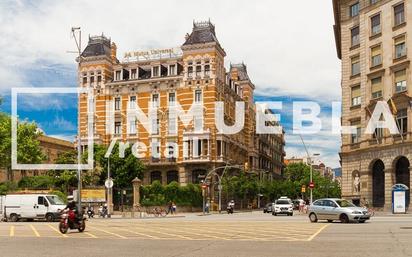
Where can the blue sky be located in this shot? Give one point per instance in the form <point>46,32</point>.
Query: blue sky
<point>288,58</point>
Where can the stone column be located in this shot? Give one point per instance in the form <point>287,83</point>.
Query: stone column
<point>183,176</point>
<point>389,181</point>
<point>136,192</point>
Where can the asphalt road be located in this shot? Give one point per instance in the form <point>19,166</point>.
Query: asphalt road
<point>246,234</point>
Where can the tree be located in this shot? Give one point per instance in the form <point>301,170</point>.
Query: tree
<point>123,170</point>
<point>28,145</point>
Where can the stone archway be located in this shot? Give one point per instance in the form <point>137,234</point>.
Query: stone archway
<point>402,174</point>
<point>378,184</point>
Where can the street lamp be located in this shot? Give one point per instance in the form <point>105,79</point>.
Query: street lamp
<point>311,167</point>
<point>219,177</point>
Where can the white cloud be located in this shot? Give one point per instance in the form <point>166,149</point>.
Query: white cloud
<point>288,47</point>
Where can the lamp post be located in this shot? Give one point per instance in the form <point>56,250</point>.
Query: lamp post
<point>311,167</point>
<point>79,171</point>
<point>219,177</point>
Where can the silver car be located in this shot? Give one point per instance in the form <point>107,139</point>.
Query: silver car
<point>337,209</point>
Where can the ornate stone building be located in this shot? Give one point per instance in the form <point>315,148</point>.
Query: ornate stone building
<point>194,72</point>
<point>51,148</point>
<point>373,40</point>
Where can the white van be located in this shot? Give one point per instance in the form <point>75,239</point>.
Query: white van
<point>32,206</point>
<point>2,199</point>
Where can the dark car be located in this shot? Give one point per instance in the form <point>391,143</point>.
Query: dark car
<point>268,208</point>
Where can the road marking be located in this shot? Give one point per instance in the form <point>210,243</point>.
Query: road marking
<point>34,230</point>
<point>110,233</point>
<point>90,235</point>
<point>55,229</point>
<point>11,230</point>
<point>202,235</point>
<point>317,233</point>
<point>156,231</point>
<point>138,233</point>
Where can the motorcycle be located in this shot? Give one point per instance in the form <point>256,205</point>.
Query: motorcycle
<point>68,221</point>
<point>90,213</point>
<point>103,212</point>
<point>229,209</point>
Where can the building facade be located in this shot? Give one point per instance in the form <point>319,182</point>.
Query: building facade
<point>51,148</point>
<point>194,72</point>
<point>373,40</point>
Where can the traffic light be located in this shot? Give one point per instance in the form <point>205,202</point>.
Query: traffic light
<point>246,166</point>
<point>303,189</point>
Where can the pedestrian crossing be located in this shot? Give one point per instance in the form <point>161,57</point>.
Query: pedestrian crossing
<point>176,230</point>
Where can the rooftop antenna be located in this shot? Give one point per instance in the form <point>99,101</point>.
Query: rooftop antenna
<point>77,35</point>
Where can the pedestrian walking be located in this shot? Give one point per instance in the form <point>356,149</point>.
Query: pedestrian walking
<point>173,208</point>
<point>169,207</point>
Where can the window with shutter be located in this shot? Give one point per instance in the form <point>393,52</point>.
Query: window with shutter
<point>356,95</point>
<point>400,47</point>
<point>377,87</point>
<point>400,81</point>
<point>376,53</point>
<point>376,24</point>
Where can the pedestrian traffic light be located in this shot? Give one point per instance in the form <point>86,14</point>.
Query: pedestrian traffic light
<point>246,166</point>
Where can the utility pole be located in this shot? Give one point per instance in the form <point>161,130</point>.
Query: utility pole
<point>108,188</point>
<point>311,168</point>
<point>79,171</point>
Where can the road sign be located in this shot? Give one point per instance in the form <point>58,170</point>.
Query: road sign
<point>311,185</point>
<point>108,183</point>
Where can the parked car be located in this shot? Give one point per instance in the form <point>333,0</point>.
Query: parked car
<point>283,206</point>
<point>32,206</point>
<point>268,208</point>
<point>331,209</point>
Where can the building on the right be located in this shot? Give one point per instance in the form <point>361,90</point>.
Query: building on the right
<point>373,40</point>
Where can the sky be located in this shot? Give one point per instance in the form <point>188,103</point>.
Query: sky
<point>288,47</point>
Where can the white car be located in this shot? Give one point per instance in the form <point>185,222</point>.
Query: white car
<point>283,206</point>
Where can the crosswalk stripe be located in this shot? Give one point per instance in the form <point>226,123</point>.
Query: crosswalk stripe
<point>138,233</point>
<point>34,230</point>
<point>110,233</point>
<point>11,230</point>
<point>55,229</point>
<point>317,233</point>
<point>90,235</point>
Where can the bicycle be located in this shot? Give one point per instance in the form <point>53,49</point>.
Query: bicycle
<point>156,211</point>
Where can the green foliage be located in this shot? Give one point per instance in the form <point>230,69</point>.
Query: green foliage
<point>37,182</point>
<point>60,194</point>
<point>156,194</point>
<point>247,186</point>
<point>28,145</point>
<point>8,186</point>
<point>123,170</point>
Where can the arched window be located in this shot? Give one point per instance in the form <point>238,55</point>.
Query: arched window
<point>155,175</point>
<point>403,175</point>
<point>172,175</point>
<point>378,184</point>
